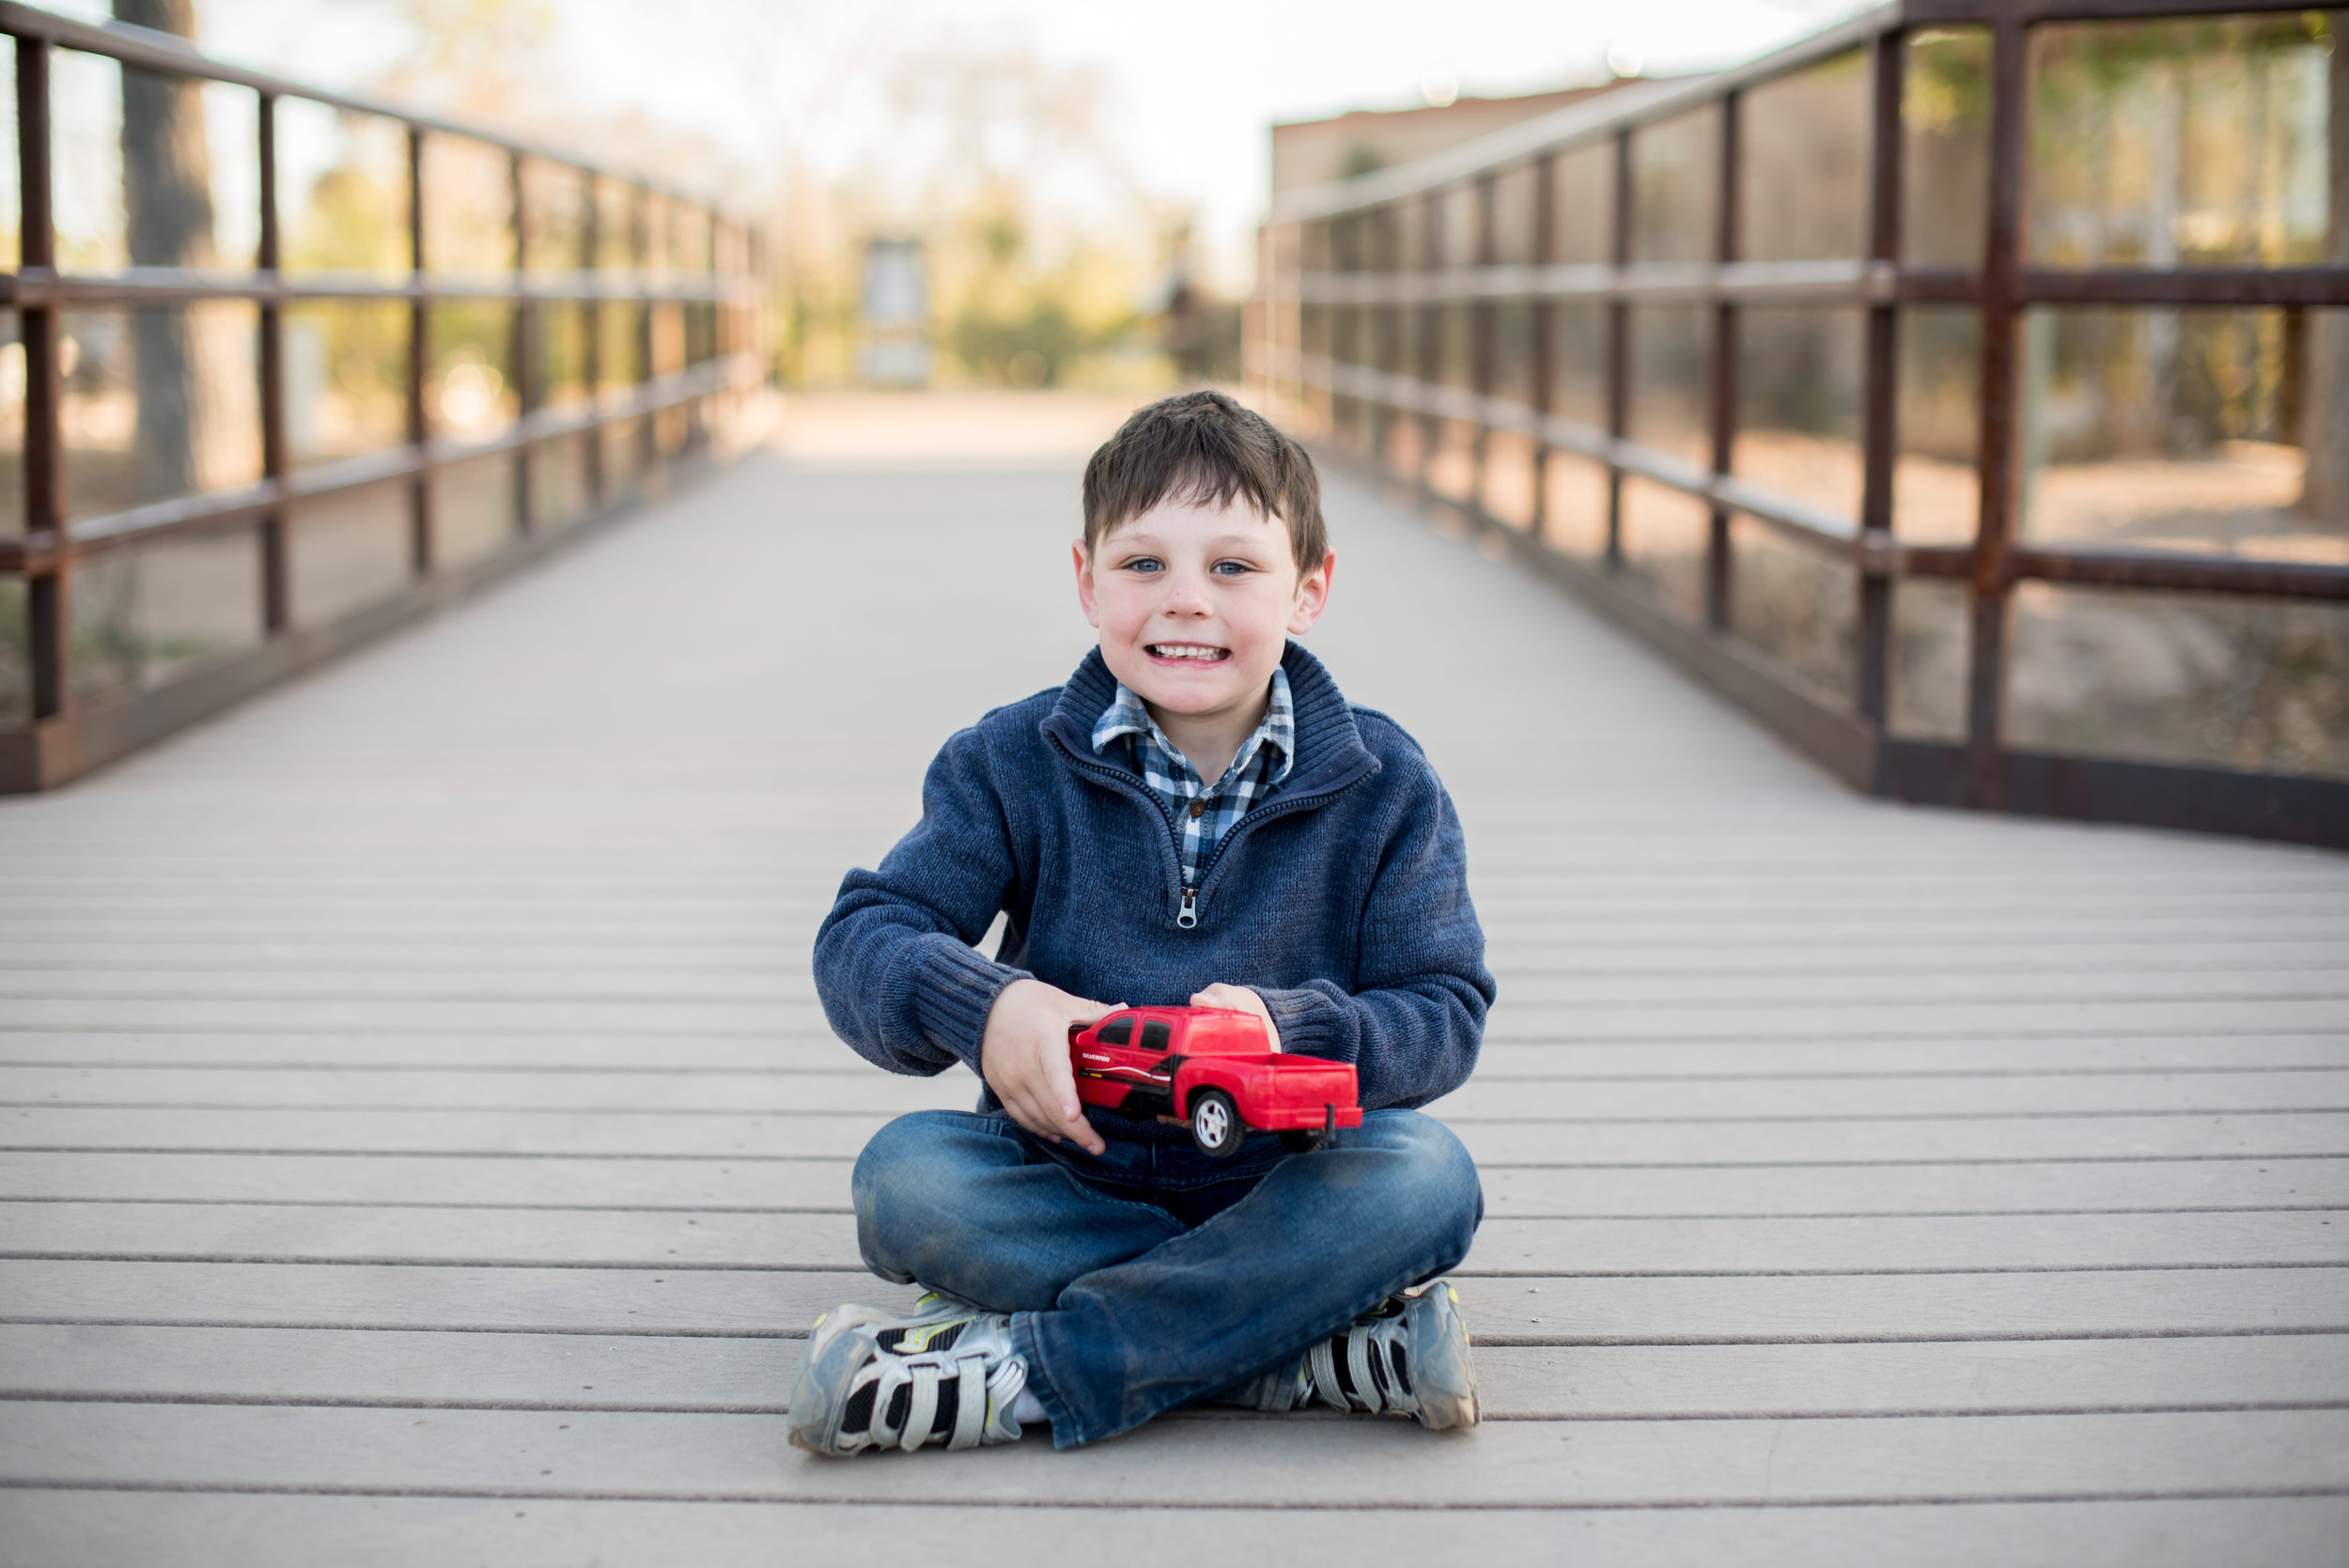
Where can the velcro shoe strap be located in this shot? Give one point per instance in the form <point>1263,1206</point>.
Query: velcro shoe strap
<point>1358,1365</point>
<point>924,1407</point>
<point>970,1402</point>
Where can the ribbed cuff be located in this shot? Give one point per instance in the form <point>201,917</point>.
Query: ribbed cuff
<point>953,989</point>
<point>1306,1019</point>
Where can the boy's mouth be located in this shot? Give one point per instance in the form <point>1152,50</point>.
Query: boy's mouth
<point>1187,653</point>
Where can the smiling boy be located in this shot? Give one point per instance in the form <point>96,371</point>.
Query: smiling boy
<point>1197,816</point>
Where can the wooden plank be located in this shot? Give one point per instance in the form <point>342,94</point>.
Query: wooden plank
<point>584,1372</point>
<point>837,1135</point>
<point>818,1051</point>
<point>1245,1460</point>
<point>856,1087</point>
<point>50,1529</point>
<point>1660,1020</point>
<point>674,1239</point>
<point>1511,1311</point>
<point>1509,1190</point>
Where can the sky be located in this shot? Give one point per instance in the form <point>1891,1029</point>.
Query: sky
<point>1186,95</point>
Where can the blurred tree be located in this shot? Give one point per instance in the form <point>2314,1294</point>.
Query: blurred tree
<point>192,392</point>
<point>2325,397</point>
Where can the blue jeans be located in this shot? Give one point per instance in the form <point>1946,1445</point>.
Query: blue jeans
<point>1152,1276</point>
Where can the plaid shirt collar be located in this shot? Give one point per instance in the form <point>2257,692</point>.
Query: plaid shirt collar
<point>1127,715</point>
<point>1201,814</point>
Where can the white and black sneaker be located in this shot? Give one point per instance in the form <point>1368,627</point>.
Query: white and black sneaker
<point>1409,1356</point>
<point>872,1380</point>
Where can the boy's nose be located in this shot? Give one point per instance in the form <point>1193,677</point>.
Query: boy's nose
<point>1186,599</point>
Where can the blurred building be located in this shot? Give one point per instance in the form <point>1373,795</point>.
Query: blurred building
<point>894,316</point>
<point>1308,152</point>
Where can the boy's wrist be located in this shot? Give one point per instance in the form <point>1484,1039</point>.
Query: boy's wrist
<point>1303,1019</point>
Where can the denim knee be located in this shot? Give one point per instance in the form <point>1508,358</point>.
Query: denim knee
<point>1433,1189</point>
<point>906,1168</point>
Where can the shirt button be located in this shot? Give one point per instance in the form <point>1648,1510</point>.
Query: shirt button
<point>1199,808</point>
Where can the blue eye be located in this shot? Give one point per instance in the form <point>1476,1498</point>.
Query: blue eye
<point>1230,568</point>
<point>1143,564</point>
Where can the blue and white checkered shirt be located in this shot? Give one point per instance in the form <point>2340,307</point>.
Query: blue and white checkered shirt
<point>1203,816</point>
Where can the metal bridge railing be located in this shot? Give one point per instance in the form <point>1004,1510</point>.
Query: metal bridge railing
<point>1965,390</point>
<point>285,368</point>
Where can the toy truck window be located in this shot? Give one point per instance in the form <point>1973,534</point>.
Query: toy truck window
<point>1155,1033</point>
<point>1117,1032</point>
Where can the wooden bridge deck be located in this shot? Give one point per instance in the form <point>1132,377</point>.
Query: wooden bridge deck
<point>423,1142</point>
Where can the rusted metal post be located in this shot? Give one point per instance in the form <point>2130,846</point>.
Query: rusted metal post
<point>640,256</point>
<point>1430,367</point>
<point>591,351</point>
<point>47,592</point>
<point>420,542</point>
<point>1619,348</point>
<point>1541,368</point>
<point>1387,332</point>
<point>2002,325</point>
<point>1879,410</point>
<point>1723,369</point>
<point>523,338</point>
<point>275,464</point>
<point>1483,327</point>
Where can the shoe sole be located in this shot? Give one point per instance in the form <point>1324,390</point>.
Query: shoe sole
<point>1444,1374</point>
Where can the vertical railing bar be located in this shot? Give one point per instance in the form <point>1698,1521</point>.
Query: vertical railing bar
<point>1541,368</point>
<point>1879,400</point>
<point>1619,348</point>
<point>1386,329</point>
<point>1723,368</point>
<point>591,351</point>
<point>420,542</point>
<point>522,340</point>
<point>640,256</point>
<point>48,594</point>
<point>274,457</point>
<point>1430,343</point>
<point>1999,436</point>
<point>1483,325</point>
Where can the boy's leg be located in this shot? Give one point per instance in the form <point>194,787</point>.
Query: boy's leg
<point>968,1204</point>
<point>1325,1237</point>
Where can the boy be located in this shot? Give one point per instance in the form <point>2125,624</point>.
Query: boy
<point>1085,1270</point>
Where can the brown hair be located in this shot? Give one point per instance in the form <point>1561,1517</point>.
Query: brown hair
<point>1203,447</point>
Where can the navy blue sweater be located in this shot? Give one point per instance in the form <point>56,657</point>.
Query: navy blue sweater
<point>1341,898</point>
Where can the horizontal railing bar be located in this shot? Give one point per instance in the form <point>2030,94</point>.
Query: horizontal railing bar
<point>1573,126</point>
<point>1874,552</point>
<point>1923,13</point>
<point>157,51</point>
<point>2116,568</point>
<point>1810,525</point>
<point>1856,282</point>
<point>40,552</point>
<point>38,286</point>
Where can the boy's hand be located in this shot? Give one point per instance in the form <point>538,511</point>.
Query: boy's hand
<point>1023,1055</point>
<point>1240,1000</point>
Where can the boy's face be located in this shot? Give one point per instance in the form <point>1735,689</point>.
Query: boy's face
<point>1195,603</point>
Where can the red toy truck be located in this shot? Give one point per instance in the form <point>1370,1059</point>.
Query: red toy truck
<point>1213,1068</point>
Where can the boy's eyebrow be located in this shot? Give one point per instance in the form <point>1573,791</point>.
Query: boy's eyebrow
<point>1147,540</point>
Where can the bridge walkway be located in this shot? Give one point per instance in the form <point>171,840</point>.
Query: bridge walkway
<point>422,1138</point>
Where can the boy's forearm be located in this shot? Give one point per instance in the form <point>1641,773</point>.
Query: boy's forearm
<point>909,1000</point>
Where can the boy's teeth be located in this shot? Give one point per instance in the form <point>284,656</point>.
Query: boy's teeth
<point>1171,650</point>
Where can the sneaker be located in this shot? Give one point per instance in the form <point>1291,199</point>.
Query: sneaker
<point>1409,1356</point>
<point>871,1380</point>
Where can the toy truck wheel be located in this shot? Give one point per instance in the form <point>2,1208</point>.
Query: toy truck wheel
<point>1303,1140</point>
<point>1215,1124</point>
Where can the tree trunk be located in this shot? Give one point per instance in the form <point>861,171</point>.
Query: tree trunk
<point>2325,401</point>
<point>185,357</point>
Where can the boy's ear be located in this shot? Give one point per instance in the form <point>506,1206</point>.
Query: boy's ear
<point>1312,594</point>
<point>1082,559</point>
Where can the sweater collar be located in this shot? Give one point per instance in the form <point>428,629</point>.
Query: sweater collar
<point>1329,746</point>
